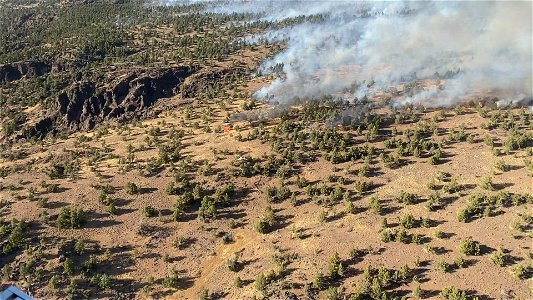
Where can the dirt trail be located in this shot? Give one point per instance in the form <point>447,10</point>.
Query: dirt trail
<point>242,238</point>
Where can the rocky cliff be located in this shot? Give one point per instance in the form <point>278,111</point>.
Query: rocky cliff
<point>84,105</point>
<point>15,71</point>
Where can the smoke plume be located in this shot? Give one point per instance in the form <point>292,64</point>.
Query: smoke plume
<point>360,48</point>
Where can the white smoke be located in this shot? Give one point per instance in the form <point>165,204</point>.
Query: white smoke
<point>490,42</point>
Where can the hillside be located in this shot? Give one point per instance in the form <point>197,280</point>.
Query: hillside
<point>136,163</point>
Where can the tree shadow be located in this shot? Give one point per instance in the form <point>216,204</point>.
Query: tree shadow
<point>121,202</point>
<point>503,185</point>
<point>234,214</point>
<point>448,200</point>
<point>55,205</point>
<point>335,217</point>
<point>282,221</point>
<point>441,250</point>
<point>97,220</point>
<point>484,249</point>
<point>147,190</point>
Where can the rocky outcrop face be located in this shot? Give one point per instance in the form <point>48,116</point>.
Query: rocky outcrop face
<point>16,71</point>
<point>39,129</point>
<point>202,81</point>
<point>84,105</point>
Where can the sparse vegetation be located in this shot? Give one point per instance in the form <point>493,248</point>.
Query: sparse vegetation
<point>135,144</point>
<point>470,247</point>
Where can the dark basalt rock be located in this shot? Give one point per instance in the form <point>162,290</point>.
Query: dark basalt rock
<point>84,105</point>
<point>38,130</point>
<point>15,71</point>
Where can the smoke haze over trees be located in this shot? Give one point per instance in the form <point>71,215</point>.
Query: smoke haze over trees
<point>477,46</point>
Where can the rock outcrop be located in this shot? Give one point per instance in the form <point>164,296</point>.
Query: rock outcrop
<point>16,71</point>
<point>84,105</point>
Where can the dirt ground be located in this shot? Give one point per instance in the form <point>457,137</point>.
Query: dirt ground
<point>143,260</point>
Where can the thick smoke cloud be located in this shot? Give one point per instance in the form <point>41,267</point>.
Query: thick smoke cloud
<point>396,42</point>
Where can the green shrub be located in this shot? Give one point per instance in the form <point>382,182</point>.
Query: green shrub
<point>453,293</point>
<point>452,187</point>
<point>71,218</point>
<point>439,234</point>
<point>336,270</point>
<point>208,208</point>
<point>112,208</point>
<point>499,258</point>
<point>520,271</point>
<point>465,214</point>
<point>408,221</point>
<point>387,236</point>
<point>171,280</point>
<point>234,264</point>
<point>434,201</point>
<point>260,282</point>
<point>470,247</point>
<point>68,267</point>
<point>319,282</point>
<point>132,188</point>
<point>178,210</point>
<point>103,281</point>
<point>502,166</point>
<point>402,236</point>
<point>204,295</point>
<point>374,205</point>
<point>459,262</point>
<point>350,208</point>
<point>442,266</point>
<point>265,225</point>
<point>238,282</point>
<point>16,235</point>
<point>322,216</point>
<point>417,239</point>
<point>486,183</point>
<point>407,198</point>
<point>150,211</point>
<point>333,293</point>
<point>418,293</point>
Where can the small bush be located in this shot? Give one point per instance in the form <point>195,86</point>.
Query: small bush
<point>234,264</point>
<point>150,211</point>
<point>502,166</point>
<point>520,271</point>
<point>499,258</point>
<point>402,236</point>
<point>260,282</point>
<point>459,262</point>
<point>238,282</point>
<point>267,222</point>
<point>470,247</point>
<point>319,282</point>
<point>408,221</point>
<point>487,184</point>
<point>71,218</point>
<point>453,293</point>
<point>442,266</point>
<point>439,234</point>
<point>103,281</point>
<point>407,198</point>
<point>336,270</point>
<point>374,205</point>
<point>171,280</point>
<point>132,188</point>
